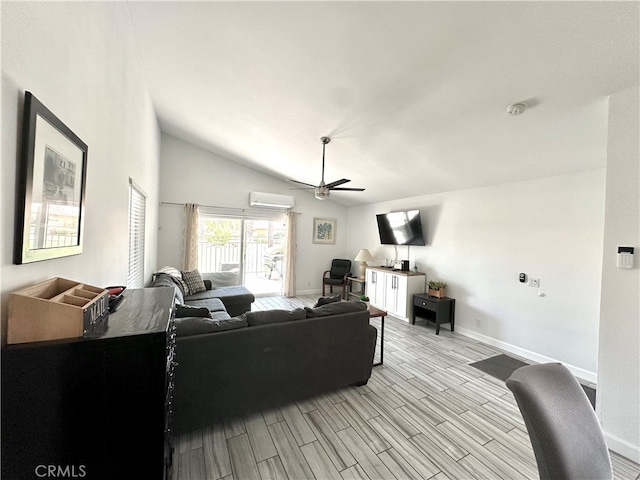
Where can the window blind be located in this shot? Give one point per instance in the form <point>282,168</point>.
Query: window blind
<point>137,211</point>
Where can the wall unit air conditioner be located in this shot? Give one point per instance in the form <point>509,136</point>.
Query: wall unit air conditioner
<point>270,200</point>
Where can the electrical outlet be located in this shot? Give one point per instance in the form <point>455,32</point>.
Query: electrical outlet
<point>308,284</point>
<point>534,282</point>
<point>477,321</point>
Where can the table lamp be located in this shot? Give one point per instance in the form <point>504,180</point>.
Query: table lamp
<point>363,257</point>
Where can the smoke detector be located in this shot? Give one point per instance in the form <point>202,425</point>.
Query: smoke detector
<point>516,108</point>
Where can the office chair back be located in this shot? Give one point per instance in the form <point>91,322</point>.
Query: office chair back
<point>565,433</point>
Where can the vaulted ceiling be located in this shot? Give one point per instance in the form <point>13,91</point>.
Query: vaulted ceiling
<point>412,94</point>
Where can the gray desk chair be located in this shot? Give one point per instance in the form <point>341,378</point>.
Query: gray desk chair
<point>565,433</point>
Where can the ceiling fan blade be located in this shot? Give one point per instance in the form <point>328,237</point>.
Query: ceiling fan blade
<point>302,183</point>
<point>349,189</point>
<point>337,182</point>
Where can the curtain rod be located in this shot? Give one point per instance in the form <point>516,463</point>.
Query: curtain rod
<point>204,206</point>
<point>233,209</point>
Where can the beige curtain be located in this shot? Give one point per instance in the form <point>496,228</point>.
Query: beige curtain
<point>289,287</point>
<point>190,236</point>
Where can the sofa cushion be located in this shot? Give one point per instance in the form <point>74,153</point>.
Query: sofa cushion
<point>194,282</point>
<point>324,300</point>
<point>265,317</point>
<point>192,311</point>
<point>198,325</point>
<point>335,308</point>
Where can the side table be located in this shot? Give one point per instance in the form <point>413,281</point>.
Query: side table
<point>444,309</point>
<point>358,281</point>
<point>376,312</point>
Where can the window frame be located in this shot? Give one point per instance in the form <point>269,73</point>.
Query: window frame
<point>137,226</point>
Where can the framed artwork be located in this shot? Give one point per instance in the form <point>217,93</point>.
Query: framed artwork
<point>50,203</point>
<point>324,230</point>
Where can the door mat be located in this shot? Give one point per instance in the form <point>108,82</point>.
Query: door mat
<point>502,366</point>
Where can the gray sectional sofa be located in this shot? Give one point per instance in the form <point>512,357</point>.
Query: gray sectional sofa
<point>229,366</point>
<point>266,359</point>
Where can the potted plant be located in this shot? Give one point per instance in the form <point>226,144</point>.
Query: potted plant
<point>436,288</point>
<point>365,299</point>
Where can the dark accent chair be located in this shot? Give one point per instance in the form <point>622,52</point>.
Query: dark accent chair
<point>565,433</point>
<point>340,271</point>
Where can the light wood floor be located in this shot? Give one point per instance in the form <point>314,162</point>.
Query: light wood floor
<point>425,414</point>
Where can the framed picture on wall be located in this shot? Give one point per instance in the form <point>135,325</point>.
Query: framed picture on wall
<point>50,203</point>
<point>324,230</point>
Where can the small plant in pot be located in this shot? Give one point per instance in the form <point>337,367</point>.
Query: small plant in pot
<point>365,299</point>
<point>436,288</point>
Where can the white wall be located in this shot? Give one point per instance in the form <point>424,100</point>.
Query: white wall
<point>80,60</point>
<point>189,174</point>
<point>479,240</point>
<point>619,360</point>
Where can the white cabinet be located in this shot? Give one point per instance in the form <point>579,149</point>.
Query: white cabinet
<point>375,287</point>
<point>393,291</point>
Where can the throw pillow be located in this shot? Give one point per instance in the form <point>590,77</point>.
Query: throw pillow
<point>324,300</point>
<point>266,317</point>
<point>191,311</point>
<point>194,281</point>
<point>335,308</point>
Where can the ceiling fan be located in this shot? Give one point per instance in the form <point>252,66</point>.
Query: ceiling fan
<point>323,190</point>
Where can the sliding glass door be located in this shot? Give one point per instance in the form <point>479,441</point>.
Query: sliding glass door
<point>220,247</point>
<point>244,250</point>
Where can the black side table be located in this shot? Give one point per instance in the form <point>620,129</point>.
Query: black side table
<point>444,309</point>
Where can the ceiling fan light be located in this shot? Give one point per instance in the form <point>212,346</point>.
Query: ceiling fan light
<point>322,193</point>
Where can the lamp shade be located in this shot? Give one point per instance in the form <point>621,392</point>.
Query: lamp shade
<point>364,256</point>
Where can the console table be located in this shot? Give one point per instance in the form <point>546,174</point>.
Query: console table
<point>98,406</point>
<point>443,308</point>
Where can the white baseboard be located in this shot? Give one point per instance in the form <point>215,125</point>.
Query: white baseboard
<point>621,447</point>
<point>529,355</point>
<point>309,292</point>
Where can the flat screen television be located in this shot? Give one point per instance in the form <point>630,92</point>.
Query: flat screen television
<point>400,228</point>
